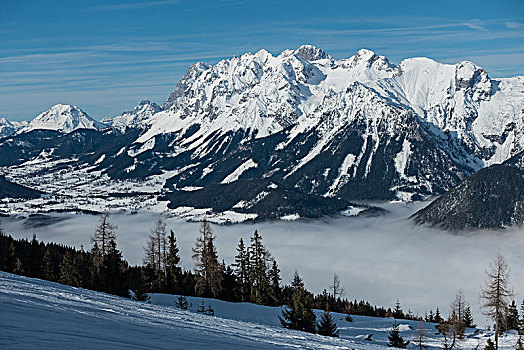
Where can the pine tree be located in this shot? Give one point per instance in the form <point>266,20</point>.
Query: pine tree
<point>68,274</point>
<point>113,272</point>
<point>429,317</point>
<point>299,315</point>
<point>397,312</point>
<point>207,268</point>
<point>82,268</point>
<point>11,260</point>
<point>395,340</point>
<point>35,258</point>
<point>258,258</point>
<point>468,318</point>
<point>327,325</point>
<point>50,266</point>
<point>139,290</point>
<point>512,318</point>
<point>241,269</point>
<point>173,271</point>
<point>274,280</point>
<point>437,318</point>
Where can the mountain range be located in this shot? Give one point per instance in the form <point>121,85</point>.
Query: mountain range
<point>300,133</point>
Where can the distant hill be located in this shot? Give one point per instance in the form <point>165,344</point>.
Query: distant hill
<point>491,198</point>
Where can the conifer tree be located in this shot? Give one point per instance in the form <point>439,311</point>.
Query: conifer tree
<point>327,325</point>
<point>11,260</point>
<point>82,269</point>
<point>468,318</point>
<point>113,273</point>
<point>258,258</point>
<point>512,318</point>
<point>35,258</point>
<point>437,318</point>
<point>395,340</point>
<point>172,261</point>
<point>397,312</point>
<point>299,315</point>
<point>50,266</point>
<point>68,273</point>
<point>241,269</point>
<point>207,268</point>
<point>274,280</point>
<point>139,290</point>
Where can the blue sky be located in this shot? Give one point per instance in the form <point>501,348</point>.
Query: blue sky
<point>105,56</point>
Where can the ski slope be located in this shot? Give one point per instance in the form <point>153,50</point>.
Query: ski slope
<point>40,314</point>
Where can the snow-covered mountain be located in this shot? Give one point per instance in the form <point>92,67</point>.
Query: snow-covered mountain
<point>62,118</point>
<point>134,118</point>
<point>8,128</point>
<point>268,132</point>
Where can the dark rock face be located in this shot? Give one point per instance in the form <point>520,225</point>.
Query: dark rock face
<point>491,198</point>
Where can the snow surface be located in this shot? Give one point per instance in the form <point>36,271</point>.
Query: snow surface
<point>42,314</point>
<point>248,164</point>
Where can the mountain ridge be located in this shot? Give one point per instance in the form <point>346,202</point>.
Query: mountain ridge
<point>357,128</point>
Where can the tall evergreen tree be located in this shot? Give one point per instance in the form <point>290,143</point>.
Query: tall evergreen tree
<point>207,268</point>
<point>258,258</point>
<point>173,271</point>
<point>438,318</point>
<point>274,280</point>
<point>299,315</point>
<point>113,273</point>
<point>50,264</point>
<point>68,274</point>
<point>241,268</point>
<point>397,312</point>
<point>11,260</point>
<point>512,318</point>
<point>34,265</point>
<point>468,318</point>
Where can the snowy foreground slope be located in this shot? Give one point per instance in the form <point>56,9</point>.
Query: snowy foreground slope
<point>41,314</point>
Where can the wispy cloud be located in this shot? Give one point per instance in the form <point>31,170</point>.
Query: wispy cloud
<point>133,5</point>
<point>514,25</point>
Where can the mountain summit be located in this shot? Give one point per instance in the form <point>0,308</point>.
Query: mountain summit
<point>63,118</point>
